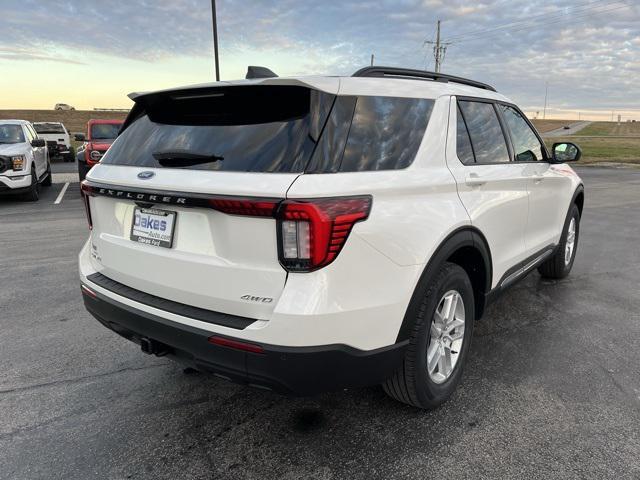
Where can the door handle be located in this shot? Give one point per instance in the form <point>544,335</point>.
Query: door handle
<point>474,180</point>
<point>538,178</point>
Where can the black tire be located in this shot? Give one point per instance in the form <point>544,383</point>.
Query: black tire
<point>411,383</point>
<point>556,266</point>
<point>69,157</point>
<point>82,171</point>
<point>48,181</point>
<point>33,195</point>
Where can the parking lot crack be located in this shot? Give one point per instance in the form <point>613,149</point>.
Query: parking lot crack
<point>67,381</point>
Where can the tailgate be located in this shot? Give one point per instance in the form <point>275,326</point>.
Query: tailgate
<point>216,261</point>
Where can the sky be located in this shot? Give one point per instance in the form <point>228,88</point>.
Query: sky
<point>91,54</point>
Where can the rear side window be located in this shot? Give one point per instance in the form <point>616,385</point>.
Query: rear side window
<point>241,129</point>
<point>485,132</point>
<point>371,133</point>
<point>463,142</point>
<point>385,133</point>
<point>525,142</point>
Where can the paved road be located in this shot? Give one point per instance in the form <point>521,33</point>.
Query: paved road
<point>552,388</point>
<point>562,132</point>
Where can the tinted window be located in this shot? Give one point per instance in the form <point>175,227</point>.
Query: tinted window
<point>252,129</point>
<point>105,131</point>
<point>525,143</point>
<point>486,134</point>
<point>328,153</point>
<point>11,134</point>
<point>463,142</point>
<point>48,128</point>
<point>385,133</point>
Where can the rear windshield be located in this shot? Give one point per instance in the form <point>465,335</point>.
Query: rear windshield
<point>105,131</point>
<point>273,129</point>
<point>48,128</point>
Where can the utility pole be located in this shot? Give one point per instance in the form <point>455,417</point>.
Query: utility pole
<point>546,94</point>
<point>372,59</point>
<point>215,38</point>
<point>439,49</point>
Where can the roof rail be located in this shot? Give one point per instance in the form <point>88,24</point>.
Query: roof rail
<point>418,74</point>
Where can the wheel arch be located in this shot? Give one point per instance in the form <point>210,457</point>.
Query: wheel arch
<point>466,247</point>
<point>578,198</point>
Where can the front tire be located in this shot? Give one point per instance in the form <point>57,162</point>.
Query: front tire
<point>34,190</point>
<point>560,264</point>
<point>439,341</point>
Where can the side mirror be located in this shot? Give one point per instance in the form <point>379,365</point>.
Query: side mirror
<point>38,142</point>
<point>566,152</point>
<point>79,137</point>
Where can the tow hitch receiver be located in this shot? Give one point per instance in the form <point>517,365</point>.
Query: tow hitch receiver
<point>152,347</point>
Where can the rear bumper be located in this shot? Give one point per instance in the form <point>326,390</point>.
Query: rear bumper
<point>290,370</point>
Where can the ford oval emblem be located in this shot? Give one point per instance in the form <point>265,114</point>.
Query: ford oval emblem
<point>145,175</point>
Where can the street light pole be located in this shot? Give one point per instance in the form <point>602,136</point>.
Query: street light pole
<point>215,38</point>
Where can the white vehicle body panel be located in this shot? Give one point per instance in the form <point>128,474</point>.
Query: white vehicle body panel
<point>361,298</point>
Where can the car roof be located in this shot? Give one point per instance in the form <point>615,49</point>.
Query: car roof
<point>47,123</point>
<point>363,86</point>
<point>14,122</point>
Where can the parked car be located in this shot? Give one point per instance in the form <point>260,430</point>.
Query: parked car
<point>99,137</point>
<point>58,139</point>
<point>24,160</point>
<point>63,106</point>
<point>315,233</point>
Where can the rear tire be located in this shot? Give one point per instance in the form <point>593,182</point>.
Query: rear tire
<point>34,190</point>
<point>560,264</point>
<point>426,378</point>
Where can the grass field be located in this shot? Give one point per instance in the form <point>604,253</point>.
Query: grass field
<point>544,126</point>
<point>604,149</point>
<point>611,129</point>
<point>75,121</point>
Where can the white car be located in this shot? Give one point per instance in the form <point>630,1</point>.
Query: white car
<point>63,106</point>
<point>24,160</point>
<point>314,233</point>
<point>58,139</point>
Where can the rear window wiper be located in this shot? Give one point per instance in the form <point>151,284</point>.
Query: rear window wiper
<point>182,158</point>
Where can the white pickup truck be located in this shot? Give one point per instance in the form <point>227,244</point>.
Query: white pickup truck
<point>57,137</point>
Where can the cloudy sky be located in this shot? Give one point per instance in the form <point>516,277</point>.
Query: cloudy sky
<point>92,53</point>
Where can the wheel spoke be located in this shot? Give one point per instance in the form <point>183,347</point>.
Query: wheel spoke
<point>433,356</point>
<point>435,331</point>
<point>455,324</point>
<point>444,365</point>
<point>457,334</point>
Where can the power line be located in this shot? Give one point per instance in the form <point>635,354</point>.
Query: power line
<point>552,17</point>
<point>528,27</point>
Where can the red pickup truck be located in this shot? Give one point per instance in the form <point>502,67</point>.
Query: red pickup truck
<point>100,135</point>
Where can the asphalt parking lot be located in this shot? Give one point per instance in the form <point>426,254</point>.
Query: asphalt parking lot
<point>551,389</point>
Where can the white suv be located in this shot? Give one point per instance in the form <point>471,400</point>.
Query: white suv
<point>315,233</point>
<point>24,160</point>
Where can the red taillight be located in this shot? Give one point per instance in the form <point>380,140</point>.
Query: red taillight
<point>312,232</point>
<point>227,342</point>
<point>86,191</point>
<point>244,206</point>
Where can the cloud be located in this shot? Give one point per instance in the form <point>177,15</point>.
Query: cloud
<point>588,52</point>
<point>30,55</point>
